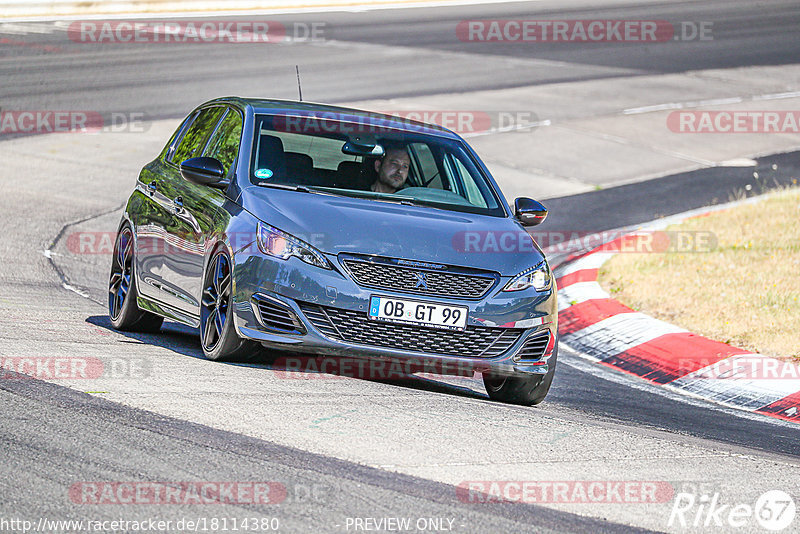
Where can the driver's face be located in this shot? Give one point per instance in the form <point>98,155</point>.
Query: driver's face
<point>393,169</point>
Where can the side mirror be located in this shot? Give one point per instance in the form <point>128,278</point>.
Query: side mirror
<point>204,171</point>
<point>529,212</point>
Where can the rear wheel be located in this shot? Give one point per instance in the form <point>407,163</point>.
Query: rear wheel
<point>122,308</point>
<point>217,333</point>
<point>523,390</point>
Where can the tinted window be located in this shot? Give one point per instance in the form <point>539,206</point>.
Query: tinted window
<point>224,143</point>
<point>471,189</point>
<point>325,153</point>
<point>178,135</point>
<point>195,137</point>
<point>426,164</point>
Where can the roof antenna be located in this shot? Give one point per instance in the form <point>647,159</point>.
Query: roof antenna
<point>299,89</point>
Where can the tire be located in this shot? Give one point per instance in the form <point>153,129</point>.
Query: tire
<point>122,308</point>
<point>217,334</point>
<point>524,390</point>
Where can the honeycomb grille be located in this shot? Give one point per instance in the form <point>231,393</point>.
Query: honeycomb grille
<point>408,280</point>
<point>355,327</point>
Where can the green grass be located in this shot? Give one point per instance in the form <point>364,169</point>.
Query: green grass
<point>744,292</point>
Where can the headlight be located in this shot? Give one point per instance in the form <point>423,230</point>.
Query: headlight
<point>538,278</point>
<point>278,244</point>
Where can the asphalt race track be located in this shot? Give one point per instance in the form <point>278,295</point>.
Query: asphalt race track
<point>343,448</point>
<point>357,62</point>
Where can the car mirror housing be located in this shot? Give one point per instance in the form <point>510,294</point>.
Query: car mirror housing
<point>204,171</point>
<point>529,212</point>
<point>362,145</point>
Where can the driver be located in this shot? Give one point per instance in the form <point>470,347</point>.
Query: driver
<point>392,170</point>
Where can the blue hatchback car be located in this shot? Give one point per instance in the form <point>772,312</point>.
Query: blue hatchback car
<point>332,231</point>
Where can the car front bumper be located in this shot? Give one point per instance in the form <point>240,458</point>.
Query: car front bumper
<point>296,288</point>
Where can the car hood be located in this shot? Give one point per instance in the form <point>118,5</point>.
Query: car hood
<point>336,224</point>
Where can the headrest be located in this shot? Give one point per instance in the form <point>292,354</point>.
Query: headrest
<point>271,156</point>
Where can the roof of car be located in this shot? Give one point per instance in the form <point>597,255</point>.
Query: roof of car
<point>337,113</point>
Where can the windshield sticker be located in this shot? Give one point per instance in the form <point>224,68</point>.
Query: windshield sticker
<point>264,174</point>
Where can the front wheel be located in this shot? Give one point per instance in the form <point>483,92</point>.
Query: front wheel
<point>217,333</point>
<point>122,308</point>
<point>523,390</point>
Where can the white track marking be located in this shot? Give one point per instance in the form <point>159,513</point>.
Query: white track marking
<point>583,362</point>
<point>580,292</point>
<point>618,333</point>
<point>710,102</point>
<point>591,261</point>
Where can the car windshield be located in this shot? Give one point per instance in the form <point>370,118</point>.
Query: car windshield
<point>369,161</point>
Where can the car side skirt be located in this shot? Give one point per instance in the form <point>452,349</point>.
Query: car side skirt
<point>166,311</point>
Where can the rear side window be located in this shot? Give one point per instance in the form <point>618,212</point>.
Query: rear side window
<point>197,134</point>
<point>224,143</point>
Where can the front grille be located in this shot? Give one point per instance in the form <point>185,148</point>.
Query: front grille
<point>407,279</point>
<point>276,316</point>
<point>534,347</point>
<point>355,327</point>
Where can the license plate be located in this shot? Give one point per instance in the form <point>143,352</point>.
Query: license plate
<point>418,313</point>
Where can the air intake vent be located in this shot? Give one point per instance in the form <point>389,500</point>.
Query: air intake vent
<point>276,315</point>
<point>534,347</point>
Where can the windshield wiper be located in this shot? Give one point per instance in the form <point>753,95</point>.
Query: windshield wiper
<point>301,188</point>
<point>404,201</point>
<point>306,189</point>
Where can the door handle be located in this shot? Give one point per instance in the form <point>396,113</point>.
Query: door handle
<point>177,202</point>
<point>151,187</point>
